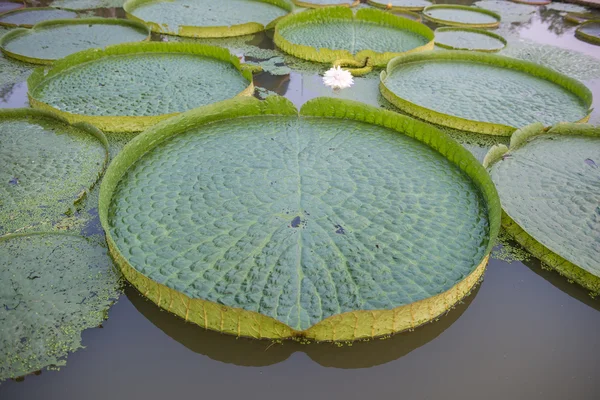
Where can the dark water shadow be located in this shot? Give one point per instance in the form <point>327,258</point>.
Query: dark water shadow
<point>248,352</point>
<point>562,283</point>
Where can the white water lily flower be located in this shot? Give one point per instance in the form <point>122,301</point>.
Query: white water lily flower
<point>338,78</point>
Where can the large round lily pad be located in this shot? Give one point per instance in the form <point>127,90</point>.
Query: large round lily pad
<point>409,5</point>
<point>589,31</point>
<point>455,38</point>
<point>579,18</point>
<point>549,185</point>
<point>10,5</point>
<point>129,87</point>
<point>48,41</point>
<point>207,18</point>
<point>455,15</point>
<point>326,3</point>
<point>27,17</point>
<point>533,2</point>
<point>337,33</point>
<point>47,166</point>
<point>246,218</point>
<point>482,93</point>
<point>52,287</point>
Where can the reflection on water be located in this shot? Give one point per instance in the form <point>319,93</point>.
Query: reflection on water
<point>247,352</point>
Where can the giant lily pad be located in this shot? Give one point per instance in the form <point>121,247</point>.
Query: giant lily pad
<point>326,3</point>
<point>533,2</point>
<point>369,36</point>
<point>10,5</point>
<point>469,39</point>
<point>47,166</point>
<point>52,287</point>
<point>589,31</point>
<point>87,4</point>
<point>549,185</point>
<point>27,17</point>
<point>245,218</point>
<point>410,5</point>
<point>510,12</point>
<point>482,93</point>
<point>129,87</point>
<point>48,41</point>
<point>579,18</point>
<point>463,16</point>
<point>207,18</point>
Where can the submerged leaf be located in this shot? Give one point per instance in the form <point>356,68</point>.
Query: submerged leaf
<point>52,287</point>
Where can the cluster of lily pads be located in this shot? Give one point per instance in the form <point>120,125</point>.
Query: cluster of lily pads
<point>336,222</point>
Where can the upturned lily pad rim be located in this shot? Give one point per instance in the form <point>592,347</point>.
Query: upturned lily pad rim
<point>33,114</point>
<point>308,4</point>
<point>17,33</point>
<point>126,123</point>
<point>207,31</point>
<point>29,9</point>
<point>395,8</point>
<point>533,2</point>
<point>343,13</point>
<point>462,24</point>
<point>471,30</point>
<point>579,17</point>
<point>580,34</point>
<point>347,326</point>
<point>569,84</point>
<point>563,266</point>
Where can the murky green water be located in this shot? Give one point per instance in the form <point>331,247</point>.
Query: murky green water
<point>525,333</point>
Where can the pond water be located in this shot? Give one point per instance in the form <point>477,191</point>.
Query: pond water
<point>524,333</point>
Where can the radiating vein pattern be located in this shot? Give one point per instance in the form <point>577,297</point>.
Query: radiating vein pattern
<point>299,219</point>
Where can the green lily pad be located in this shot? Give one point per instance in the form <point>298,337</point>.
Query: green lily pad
<point>47,166</point>
<point>326,3</point>
<point>533,2</point>
<point>579,18</point>
<point>549,185</point>
<point>132,86</point>
<point>52,287</point>
<point>48,41</point>
<point>462,16</point>
<point>87,4</point>
<point>410,5</point>
<point>510,12</point>
<point>589,32</point>
<point>246,218</point>
<point>27,17</point>
<point>336,33</point>
<point>469,39</point>
<point>207,18</point>
<point>10,5</point>
<point>482,93</point>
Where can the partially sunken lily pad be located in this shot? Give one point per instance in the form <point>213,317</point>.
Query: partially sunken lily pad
<point>509,11</point>
<point>482,93</point>
<point>132,86</point>
<point>47,166</point>
<point>454,15</point>
<point>28,17</point>
<point>469,39</point>
<point>589,31</point>
<point>51,40</point>
<point>330,34</point>
<point>248,219</point>
<point>549,185</point>
<point>410,5</point>
<point>207,18</point>
<point>52,287</point>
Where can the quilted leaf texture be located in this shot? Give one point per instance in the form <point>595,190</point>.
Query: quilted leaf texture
<point>342,223</point>
<point>549,185</point>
